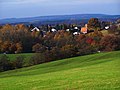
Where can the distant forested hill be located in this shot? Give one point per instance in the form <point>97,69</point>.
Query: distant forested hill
<point>77,18</point>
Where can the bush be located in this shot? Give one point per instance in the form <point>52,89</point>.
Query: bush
<point>38,48</point>
<point>5,63</point>
<point>38,58</point>
<point>19,62</point>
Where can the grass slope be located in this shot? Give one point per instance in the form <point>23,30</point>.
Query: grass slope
<point>27,56</point>
<point>92,72</point>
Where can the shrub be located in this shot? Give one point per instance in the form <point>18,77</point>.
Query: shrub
<point>38,48</point>
<point>37,59</point>
<point>19,62</point>
<point>5,63</point>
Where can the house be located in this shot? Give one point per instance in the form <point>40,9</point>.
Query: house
<point>53,30</point>
<point>76,33</point>
<point>107,27</point>
<point>67,30</point>
<point>76,28</point>
<point>35,29</point>
<point>84,30</point>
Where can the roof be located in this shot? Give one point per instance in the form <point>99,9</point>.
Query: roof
<point>37,29</point>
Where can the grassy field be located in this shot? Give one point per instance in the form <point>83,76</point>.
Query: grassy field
<point>13,56</point>
<point>26,56</point>
<point>105,32</point>
<point>93,72</point>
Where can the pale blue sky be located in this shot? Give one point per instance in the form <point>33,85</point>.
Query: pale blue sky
<point>32,8</point>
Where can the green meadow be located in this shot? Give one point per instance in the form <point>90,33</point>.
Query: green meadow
<point>27,56</point>
<point>99,71</point>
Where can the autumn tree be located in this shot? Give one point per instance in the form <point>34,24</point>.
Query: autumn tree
<point>38,48</point>
<point>12,48</point>
<point>63,38</point>
<point>114,30</point>
<point>48,40</point>
<point>5,46</point>
<point>68,51</point>
<point>19,48</point>
<point>110,43</point>
<point>15,34</point>
<point>93,24</point>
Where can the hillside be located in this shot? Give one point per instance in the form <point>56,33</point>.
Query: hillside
<point>91,72</point>
<point>13,56</point>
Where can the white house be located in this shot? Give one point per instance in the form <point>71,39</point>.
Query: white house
<point>67,30</point>
<point>35,29</point>
<point>53,30</point>
<point>76,33</point>
<point>107,27</point>
<point>75,27</point>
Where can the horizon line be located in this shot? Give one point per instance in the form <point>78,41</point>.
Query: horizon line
<point>56,15</point>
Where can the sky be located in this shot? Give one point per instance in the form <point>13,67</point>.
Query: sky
<point>33,8</point>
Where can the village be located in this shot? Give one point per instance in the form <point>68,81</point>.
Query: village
<point>75,29</point>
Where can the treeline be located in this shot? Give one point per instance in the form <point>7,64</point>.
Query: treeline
<point>15,39</point>
<point>62,45</point>
<point>19,38</point>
